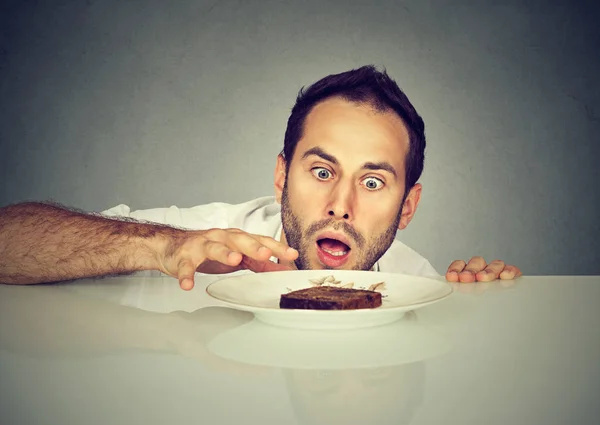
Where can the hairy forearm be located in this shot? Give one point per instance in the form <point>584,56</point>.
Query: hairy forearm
<point>45,243</point>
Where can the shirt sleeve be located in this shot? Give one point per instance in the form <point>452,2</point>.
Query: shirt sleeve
<point>200,217</point>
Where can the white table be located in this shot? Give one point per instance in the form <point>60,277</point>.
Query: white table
<point>133,350</point>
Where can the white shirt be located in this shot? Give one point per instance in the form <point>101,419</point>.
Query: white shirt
<point>262,216</point>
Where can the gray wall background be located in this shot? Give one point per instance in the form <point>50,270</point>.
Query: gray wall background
<point>153,103</point>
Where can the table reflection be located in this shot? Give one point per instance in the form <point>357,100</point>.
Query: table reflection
<point>390,395</point>
<point>74,353</point>
<point>349,376</point>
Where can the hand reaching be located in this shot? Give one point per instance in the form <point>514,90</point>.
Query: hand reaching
<point>477,270</point>
<point>218,251</point>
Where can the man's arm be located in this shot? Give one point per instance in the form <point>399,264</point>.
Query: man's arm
<point>46,243</point>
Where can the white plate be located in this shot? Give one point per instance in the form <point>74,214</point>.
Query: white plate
<point>260,293</point>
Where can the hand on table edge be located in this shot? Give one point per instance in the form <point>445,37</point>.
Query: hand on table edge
<point>477,270</point>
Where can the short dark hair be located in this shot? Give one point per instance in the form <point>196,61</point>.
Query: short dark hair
<point>365,85</point>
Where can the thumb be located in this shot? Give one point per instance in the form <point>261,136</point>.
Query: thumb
<point>185,274</point>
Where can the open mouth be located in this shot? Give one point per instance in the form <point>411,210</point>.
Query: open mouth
<point>332,252</point>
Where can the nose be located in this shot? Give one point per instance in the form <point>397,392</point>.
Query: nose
<point>345,216</point>
<point>342,199</point>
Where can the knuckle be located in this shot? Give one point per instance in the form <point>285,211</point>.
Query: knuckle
<point>212,233</point>
<point>209,244</point>
<point>457,264</point>
<point>183,263</point>
<point>266,240</point>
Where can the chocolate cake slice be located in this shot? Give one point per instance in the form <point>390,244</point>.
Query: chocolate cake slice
<point>330,298</point>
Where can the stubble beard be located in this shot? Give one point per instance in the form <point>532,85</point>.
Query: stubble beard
<point>300,237</point>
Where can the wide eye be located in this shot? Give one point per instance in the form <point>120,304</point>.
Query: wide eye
<point>321,173</point>
<point>372,183</point>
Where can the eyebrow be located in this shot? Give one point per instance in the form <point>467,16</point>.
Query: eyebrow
<point>321,153</point>
<point>380,166</point>
<point>366,166</point>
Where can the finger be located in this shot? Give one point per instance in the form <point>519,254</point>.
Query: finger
<point>258,247</point>
<point>466,276</point>
<point>279,249</point>
<point>454,269</point>
<point>220,252</point>
<point>264,266</point>
<point>474,266</point>
<point>185,274</point>
<point>491,271</point>
<point>222,242</point>
<point>510,272</point>
<point>248,245</point>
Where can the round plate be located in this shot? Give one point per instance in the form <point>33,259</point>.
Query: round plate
<point>260,293</point>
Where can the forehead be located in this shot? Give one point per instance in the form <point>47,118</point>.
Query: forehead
<point>338,125</point>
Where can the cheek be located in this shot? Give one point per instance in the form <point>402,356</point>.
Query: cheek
<point>376,214</point>
<point>306,194</point>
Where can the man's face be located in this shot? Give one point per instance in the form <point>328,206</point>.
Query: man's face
<point>337,396</point>
<point>342,196</point>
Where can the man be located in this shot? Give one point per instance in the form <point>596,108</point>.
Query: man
<point>345,182</point>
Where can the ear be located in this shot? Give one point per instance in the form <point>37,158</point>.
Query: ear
<point>410,206</point>
<point>279,177</point>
